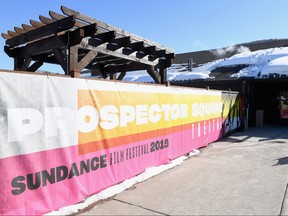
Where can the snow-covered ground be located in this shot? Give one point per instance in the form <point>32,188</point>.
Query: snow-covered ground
<point>260,64</point>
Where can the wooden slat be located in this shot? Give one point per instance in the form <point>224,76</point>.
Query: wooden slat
<point>88,19</point>
<point>45,20</point>
<point>43,31</point>
<point>86,60</point>
<point>136,46</point>
<point>36,24</point>
<point>12,33</point>
<point>28,27</point>
<point>57,16</point>
<point>102,38</point>
<point>146,51</point>
<point>49,43</point>
<point>118,43</point>
<point>157,54</point>
<point>110,61</point>
<point>6,36</point>
<point>20,30</point>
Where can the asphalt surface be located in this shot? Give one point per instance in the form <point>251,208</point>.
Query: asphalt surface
<point>245,173</point>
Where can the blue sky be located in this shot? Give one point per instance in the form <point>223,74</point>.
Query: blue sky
<point>183,25</point>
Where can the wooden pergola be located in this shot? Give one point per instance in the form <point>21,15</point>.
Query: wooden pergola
<point>77,42</point>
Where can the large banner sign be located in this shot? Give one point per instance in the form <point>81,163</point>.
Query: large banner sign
<point>63,139</point>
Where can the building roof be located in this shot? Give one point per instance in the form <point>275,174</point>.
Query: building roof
<point>201,57</point>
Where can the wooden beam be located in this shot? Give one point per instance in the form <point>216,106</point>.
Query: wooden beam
<point>133,47</point>
<point>73,72</point>
<point>157,54</point>
<point>6,36</point>
<point>112,76</point>
<point>13,34</point>
<point>154,74</point>
<point>56,16</point>
<point>45,20</point>
<point>118,43</point>
<point>18,62</point>
<point>164,63</point>
<point>77,66</point>
<point>43,31</point>
<point>163,75</point>
<point>36,24</point>
<point>35,66</point>
<point>108,60</point>
<point>122,75</point>
<point>28,27</point>
<point>102,38</point>
<point>86,60</point>
<point>26,64</point>
<point>50,43</point>
<point>134,66</point>
<point>20,30</point>
<point>61,59</point>
<point>145,51</point>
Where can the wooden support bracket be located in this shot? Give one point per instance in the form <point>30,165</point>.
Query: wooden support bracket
<point>154,74</point>
<point>77,66</point>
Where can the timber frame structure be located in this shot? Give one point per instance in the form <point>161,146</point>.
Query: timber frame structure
<point>77,42</point>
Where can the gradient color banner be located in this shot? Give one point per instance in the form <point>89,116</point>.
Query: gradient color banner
<point>64,139</point>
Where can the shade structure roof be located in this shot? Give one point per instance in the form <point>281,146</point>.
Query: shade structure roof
<point>77,42</point>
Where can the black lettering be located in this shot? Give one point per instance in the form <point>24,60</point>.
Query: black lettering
<point>30,181</point>
<point>46,176</point>
<point>84,166</point>
<point>94,163</point>
<point>61,173</point>
<point>73,171</point>
<point>17,183</point>
<point>103,161</point>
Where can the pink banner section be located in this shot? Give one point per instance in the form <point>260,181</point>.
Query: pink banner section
<point>41,182</point>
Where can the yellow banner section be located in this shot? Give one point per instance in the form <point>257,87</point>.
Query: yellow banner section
<point>109,114</point>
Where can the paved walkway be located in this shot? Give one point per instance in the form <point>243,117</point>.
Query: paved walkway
<point>243,174</point>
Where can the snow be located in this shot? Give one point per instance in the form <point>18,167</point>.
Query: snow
<point>260,64</point>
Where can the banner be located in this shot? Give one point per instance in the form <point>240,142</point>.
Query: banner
<point>64,139</point>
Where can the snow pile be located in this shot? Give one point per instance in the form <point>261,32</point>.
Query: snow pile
<point>261,63</point>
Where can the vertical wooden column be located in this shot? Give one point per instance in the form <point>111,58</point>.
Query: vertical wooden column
<point>18,62</point>
<point>73,70</point>
<point>112,76</point>
<point>163,75</point>
<point>22,64</point>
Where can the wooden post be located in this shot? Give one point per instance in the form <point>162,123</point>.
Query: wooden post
<point>112,76</point>
<point>163,75</point>
<point>73,62</point>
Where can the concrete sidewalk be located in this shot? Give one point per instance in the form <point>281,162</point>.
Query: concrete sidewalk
<point>243,174</point>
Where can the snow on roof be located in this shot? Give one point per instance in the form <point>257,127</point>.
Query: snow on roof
<point>261,63</point>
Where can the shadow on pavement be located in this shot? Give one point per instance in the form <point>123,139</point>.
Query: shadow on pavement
<point>281,161</point>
